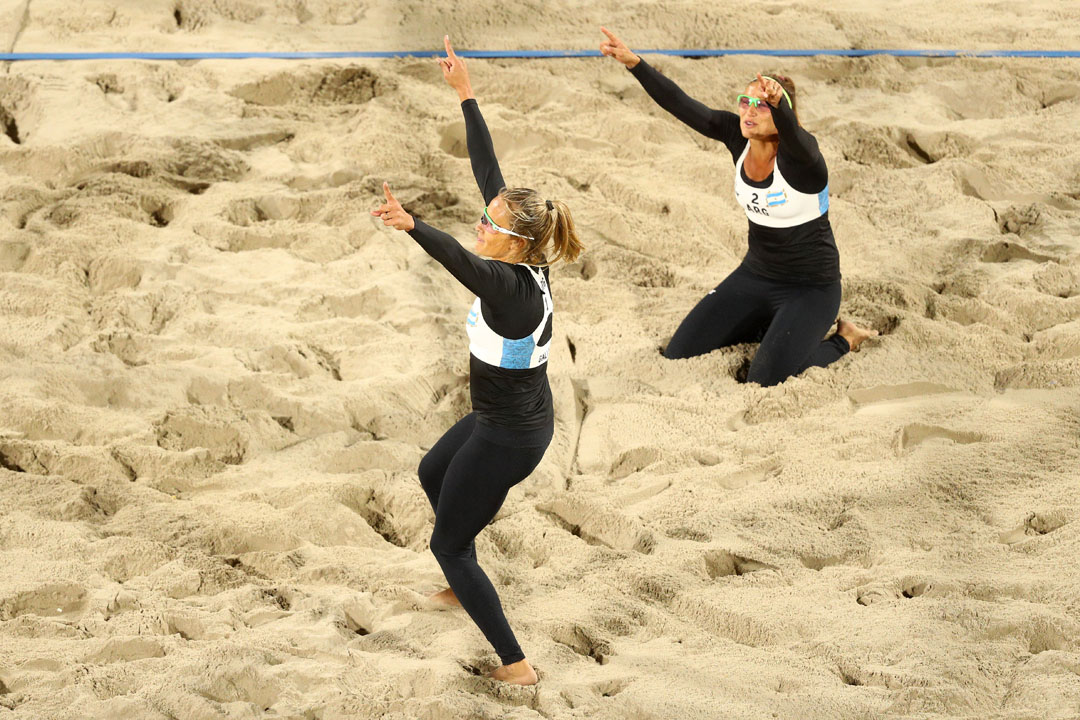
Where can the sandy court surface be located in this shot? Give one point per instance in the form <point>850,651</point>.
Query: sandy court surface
<point>218,373</point>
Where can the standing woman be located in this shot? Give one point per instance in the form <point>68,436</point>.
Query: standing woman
<point>786,292</point>
<point>469,471</point>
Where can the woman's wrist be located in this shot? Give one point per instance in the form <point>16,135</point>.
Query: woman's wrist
<point>465,93</point>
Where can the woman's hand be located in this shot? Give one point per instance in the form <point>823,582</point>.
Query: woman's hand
<point>392,213</point>
<point>770,90</point>
<point>616,48</point>
<point>454,72</point>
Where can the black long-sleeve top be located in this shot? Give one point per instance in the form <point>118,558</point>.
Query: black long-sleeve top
<point>510,300</point>
<point>803,254</point>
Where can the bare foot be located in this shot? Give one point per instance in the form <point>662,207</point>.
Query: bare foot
<point>853,333</point>
<point>519,673</point>
<point>445,598</point>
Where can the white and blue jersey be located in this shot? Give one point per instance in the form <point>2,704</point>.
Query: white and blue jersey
<point>524,353</point>
<point>774,202</point>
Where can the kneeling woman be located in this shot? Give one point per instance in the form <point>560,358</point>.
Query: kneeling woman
<point>469,471</point>
<point>786,292</point>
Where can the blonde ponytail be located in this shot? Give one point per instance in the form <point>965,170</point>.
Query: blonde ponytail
<point>547,221</point>
<point>564,237</point>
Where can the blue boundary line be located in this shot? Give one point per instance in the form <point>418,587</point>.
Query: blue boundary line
<point>18,57</point>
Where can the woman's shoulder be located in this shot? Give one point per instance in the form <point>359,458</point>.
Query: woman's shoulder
<point>521,275</point>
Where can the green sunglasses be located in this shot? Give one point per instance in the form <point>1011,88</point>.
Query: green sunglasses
<point>746,101</point>
<point>486,221</point>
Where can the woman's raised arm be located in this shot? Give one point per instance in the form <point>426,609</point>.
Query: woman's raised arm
<point>716,124</point>
<point>481,150</point>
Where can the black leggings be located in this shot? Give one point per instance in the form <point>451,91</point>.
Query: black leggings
<point>466,476</point>
<point>788,320</point>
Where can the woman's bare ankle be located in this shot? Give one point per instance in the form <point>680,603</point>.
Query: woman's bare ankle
<point>854,334</point>
<point>518,673</point>
<point>445,597</point>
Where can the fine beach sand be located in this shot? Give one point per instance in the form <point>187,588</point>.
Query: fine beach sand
<point>218,373</point>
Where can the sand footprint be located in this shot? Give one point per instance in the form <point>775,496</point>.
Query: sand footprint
<point>682,532</point>
<point>639,268</point>
<point>359,616</point>
<point>213,428</point>
<point>598,525</point>
<point>632,461</point>
<point>1005,251</point>
<point>752,476</point>
<point>62,600</point>
<point>400,517</point>
<point>439,206</point>
<point>1035,525</point>
<point>1056,280</point>
<point>119,194</point>
<point>125,650</point>
<point>10,125</point>
<point>584,641</point>
<point>364,454</point>
<point>1044,634</point>
<point>144,312</point>
<point>884,591</point>
<point>397,600</point>
<point>915,588</point>
<point>238,240</point>
<point>586,267</point>
<point>723,563</point>
<point>301,359</point>
<point>1045,374</point>
<point>611,688</point>
<point>1017,220</point>
<point>21,203</point>
<point>880,147</point>
<point>916,434</point>
<point>240,682</point>
<point>507,143</point>
<point>904,391</point>
<point>381,521</point>
<point>321,208</point>
<point>334,179</point>
<point>646,490</point>
<point>246,142</point>
<point>329,86</point>
<point>720,620</point>
<point>372,303</point>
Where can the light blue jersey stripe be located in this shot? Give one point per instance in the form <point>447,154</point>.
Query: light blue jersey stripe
<point>517,353</point>
<point>823,200</point>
